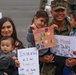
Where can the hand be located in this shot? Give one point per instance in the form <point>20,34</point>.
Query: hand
<point>51,58</point>
<point>14,57</point>
<point>17,63</point>
<point>70,62</point>
<point>54,26</point>
<point>74,52</point>
<point>33,26</point>
<point>5,73</point>
<point>47,59</point>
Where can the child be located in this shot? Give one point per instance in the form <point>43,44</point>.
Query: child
<point>40,20</point>
<point>6,54</point>
<point>70,65</point>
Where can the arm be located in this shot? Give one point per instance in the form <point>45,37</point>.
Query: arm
<point>70,62</point>
<point>30,37</point>
<point>45,56</point>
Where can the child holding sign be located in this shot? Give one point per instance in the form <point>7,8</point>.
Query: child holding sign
<point>40,20</point>
<point>70,66</point>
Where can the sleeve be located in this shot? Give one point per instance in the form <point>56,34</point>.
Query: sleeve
<point>30,38</point>
<point>11,55</point>
<point>43,52</point>
<point>4,62</point>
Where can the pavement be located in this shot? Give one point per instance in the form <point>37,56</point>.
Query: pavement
<point>21,12</point>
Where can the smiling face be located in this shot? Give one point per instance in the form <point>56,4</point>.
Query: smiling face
<point>59,15</point>
<point>40,22</point>
<point>7,29</point>
<point>6,46</point>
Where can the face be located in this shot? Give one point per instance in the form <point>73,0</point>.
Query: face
<point>40,22</point>
<point>72,21</point>
<point>7,29</point>
<point>6,46</point>
<point>59,15</point>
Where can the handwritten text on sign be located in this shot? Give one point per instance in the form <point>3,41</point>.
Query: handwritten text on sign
<point>29,63</point>
<point>65,45</point>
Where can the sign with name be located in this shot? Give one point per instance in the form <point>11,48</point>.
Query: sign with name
<point>29,61</point>
<point>44,38</point>
<point>65,45</point>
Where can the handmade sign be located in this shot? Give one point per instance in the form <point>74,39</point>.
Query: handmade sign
<point>0,15</point>
<point>44,38</point>
<point>65,45</point>
<point>29,61</point>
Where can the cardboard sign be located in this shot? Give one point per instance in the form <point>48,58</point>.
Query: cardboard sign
<point>29,61</point>
<point>44,38</point>
<point>65,45</point>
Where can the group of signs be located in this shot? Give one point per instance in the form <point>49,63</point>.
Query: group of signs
<point>45,38</point>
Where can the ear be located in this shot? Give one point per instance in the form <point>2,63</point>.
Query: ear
<point>13,47</point>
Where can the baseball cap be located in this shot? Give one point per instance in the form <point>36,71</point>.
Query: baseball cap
<point>55,5</point>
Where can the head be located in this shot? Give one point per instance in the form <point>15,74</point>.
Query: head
<point>7,44</point>
<point>41,19</point>
<point>73,19</point>
<point>7,28</point>
<point>59,10</point>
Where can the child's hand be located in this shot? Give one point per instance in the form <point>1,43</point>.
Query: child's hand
<point>33,26</point>
<point>5,73</point>
<point>17,63</point>
<point>54,26</point>
<point>14,57</point>
<point>74,52</point>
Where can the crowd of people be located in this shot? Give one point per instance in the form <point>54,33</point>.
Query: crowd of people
<point>49,63</point>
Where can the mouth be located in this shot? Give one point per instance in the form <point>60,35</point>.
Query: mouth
<point>5,50</point>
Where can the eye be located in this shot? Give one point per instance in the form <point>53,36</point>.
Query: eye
<point>7,45</point>
<point>8,26</point>
<point>2,45</point>
<point>42,20</point>
<point>3,27</point>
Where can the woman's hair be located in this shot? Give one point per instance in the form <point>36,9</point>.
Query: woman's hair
<point>74,14</point>
<point>2,21</point>
<point>14,34</point>
<point>41,14</point>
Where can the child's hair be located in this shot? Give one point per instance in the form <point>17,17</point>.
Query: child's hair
<point>74,14</point>
<point>43,14</point>
<point>8,38</point>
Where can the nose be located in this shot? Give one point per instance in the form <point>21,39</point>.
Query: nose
<point>43,23</point>
<point>6,29</point>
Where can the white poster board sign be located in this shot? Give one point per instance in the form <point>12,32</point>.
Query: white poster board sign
<point>65,45</point>
<point>0,15</point>
<point>29,61</point>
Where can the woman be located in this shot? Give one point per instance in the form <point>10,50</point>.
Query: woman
<point>7,28</point>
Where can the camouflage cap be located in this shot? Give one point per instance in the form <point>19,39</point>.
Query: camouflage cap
<point>55,5</point>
